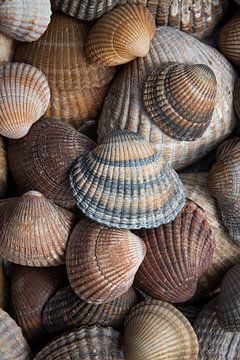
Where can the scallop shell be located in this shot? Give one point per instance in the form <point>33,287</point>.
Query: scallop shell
<point>177,254</point>
<point>34,231</point>
<point>229,39</point>
<point>123,107</point>
<point>6,49</point>
<point>157,330</point>
<point>77,87</point>
<point>24,97</point>
<point>40,161</point>
<point>125,183</point>
<point>236,98</point>
<point>3,287</point>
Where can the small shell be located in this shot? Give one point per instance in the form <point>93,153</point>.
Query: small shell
<point>6,49</point>
<point>157,330</point>
<point>24,20</point>
<point>24,97</point>
<point>34,231</point>
<point>229,39</point>
<point>180,99</point>
<point>236,98</point>
<point>3,287</point>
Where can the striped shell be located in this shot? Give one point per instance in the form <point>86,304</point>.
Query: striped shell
<point>180,99</point>
<point>177,254</point>
<point>34,231</point>
<point>3,287</point>
<point>229,39</point>
<point>125,183</point>
<point>157,330</point>
<point>6,49</point>
<point>236,99</point>
<point>42,160</point>
<point>24,97</point>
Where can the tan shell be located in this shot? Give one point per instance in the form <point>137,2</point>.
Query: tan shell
<point>229,39</point>
<point>4,291</point>
<point>6,48</point>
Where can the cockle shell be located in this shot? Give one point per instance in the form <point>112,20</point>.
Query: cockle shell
<point>177,254</point>
<point>123,107</point>
<point>125,183</point>
<point>24,97</point>
<point>34,231</point>
<point>157,330</point>
<point>77,87</point>
<point>236,99</point>
<point>3,286</point>
<point>229,39</point>
<point>6,48</point>
<point>43,158</point>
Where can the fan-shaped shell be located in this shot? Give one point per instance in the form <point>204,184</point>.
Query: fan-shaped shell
<point>34,231</point>
<point>124,182</point>
<point>6,48</point>
<point>237,98</point>
<point>229,39</point>
<point>77,87</point>
<point>43,158</point>
<point>157,330</point>
<point>3,286</point>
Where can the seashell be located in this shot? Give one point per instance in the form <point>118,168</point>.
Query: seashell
<point>102,268</point>
<point>66,311</point>
<point>6,49</point>
<point>236,98</point>
<point>125,183</point>
<point>157,330</point>
<point>177,254</point>
<point>85,343</point>
<point>121,35</point>
<point>77,87</point>
<point>3,287</point>
<point>24,97</point>
<point>13,344</point>
<point>24,20</point>
<point>33,164</point>
<point>229,39</point>
<point>123,107</point>
<point>34,231</point>
<point>166,95</point>
<point>4,181</point>
<point>191,312</point>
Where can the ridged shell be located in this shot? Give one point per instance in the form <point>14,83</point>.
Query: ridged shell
<point>6,48</point>
<point>125,183</point>
<point>121,35</point>
<point>157,330</point>
<point>180,99</point>
<point>77,87</point>
<point>34,231</point>
<point>229,39</point>
<point>191,312</point>
<point>43,158</point>
<point>237,98</point>
<point>24,97</point>
<point>3,286</point>
<point>102,268</point>
<point>85,343</point>
<point>123,107</point>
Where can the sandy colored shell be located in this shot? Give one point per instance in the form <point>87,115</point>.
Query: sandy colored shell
<point>123,107</point>
<point>237,98</point>
<point>77,87</point>
<point>4,291</point>
<point>157,330</point>
<point>6,48</point>
<point>229,39</point>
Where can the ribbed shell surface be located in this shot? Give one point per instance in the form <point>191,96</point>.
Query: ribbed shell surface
<point>6,48</point>
<point>3,286</point>
<point>229,39</point>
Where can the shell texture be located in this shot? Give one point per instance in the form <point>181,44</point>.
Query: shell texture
<point>3,286</point>
<point>191,312</point>
<point>6,49</point>
<point>236,98</point>
<point>229,39</point>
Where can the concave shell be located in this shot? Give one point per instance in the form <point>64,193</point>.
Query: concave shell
<point>102,262</point>
<point>123,107</point>
<point>157,330</point>
<point>236,99</point>
<point>34,231</point>
<point>177,254</point>
<point>24,20</point>
<point>77,87</point>
<point>43,158</point>
<point>121,35</point>
<point>180,99</point>
<point>85,343</point>
<point>6,48</point>
<point>13,344</point>
<point>24,97</point>
<point>125,183</point>
<point>229,39</point>
<point>3,286</point>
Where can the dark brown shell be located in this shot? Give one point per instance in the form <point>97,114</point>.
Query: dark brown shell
<point>229,39</point>
<point>4,291</point>
<point>236,99</point>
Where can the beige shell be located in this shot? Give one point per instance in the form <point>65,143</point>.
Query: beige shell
<point>6,48</point>
<point>229,39</point>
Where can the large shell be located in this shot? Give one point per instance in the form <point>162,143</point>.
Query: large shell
<point>3,286</point>
<point>237,98</point>
<point>124,182</point>
<point>42,160</point>
<point>6,48</point>
<point>34,231</point>
<point>77,87</point>
<point>177,254</point>
<point>24,97</point>
<point>157,330</point>
<point>123,107</point>
<point>229,39</point>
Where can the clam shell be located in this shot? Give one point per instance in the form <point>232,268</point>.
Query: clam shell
<point>236,98</point>
<point>157,330</point>
<point>24,97</point>
<point>77,87</point>
<point>229,39</point>
<point>6,48</point>
<point>125,183</point>
<point>3,287</point>
<point>43,158</point>
<point>34,231</point>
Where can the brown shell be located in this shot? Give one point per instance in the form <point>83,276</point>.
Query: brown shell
<point>4,291</point>
<point>236,99</point>
<point>229,39</point>
<point>6,48</point>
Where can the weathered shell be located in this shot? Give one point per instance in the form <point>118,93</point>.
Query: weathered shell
<point>123,107</point>
<point>3,287</point>
<point>229,39</point>
<point>125,183</point>
<point>85,343</point>
<point>180,99</point>
<point>236,98</point>
<point>77,87</point>
<point>6,48</point>
<point>121,35</point>
<point>24,97</point>
<point>43,158</point>
<point>157,330</point>
<point>34,231</point>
